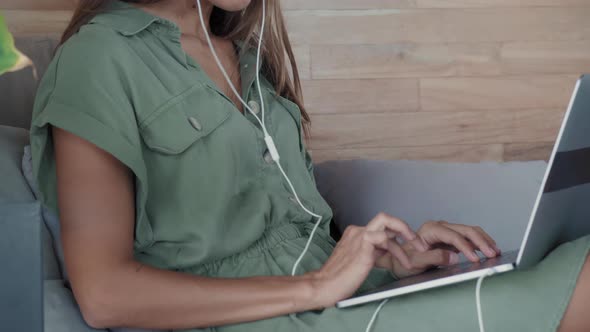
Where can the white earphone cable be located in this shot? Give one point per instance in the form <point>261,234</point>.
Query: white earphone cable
<point>275,156</point>
<point>225,75</point>
<point>374,317</point>
<point>262,24</point>
<point>477,302</point>
<point>478,298</point>
<point>267,138</point>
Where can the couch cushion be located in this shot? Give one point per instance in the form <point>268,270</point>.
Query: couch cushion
<point>61,310</point>
<point>52,235</point>
<point>19,88</point>
<point>62,313</point>
<point>497,197</point>
<point>20,262</point>
<point>14,188</point>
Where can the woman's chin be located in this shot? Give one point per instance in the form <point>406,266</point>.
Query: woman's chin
<point>231,5</point>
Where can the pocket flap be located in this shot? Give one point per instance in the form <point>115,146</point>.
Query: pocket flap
<point>184,120</point>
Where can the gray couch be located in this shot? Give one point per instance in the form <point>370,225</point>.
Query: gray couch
<point>497,197</point>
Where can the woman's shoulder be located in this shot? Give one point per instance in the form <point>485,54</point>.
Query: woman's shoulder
<point>91,48</point>
<point>105,39</point>
<point>93,56</point>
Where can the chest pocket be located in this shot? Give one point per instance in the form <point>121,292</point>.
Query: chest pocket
<point>183,120</point>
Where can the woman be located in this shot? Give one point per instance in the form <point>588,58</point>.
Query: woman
<point>175,216</point>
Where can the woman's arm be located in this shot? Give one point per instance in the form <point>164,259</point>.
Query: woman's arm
<point>96,201</point>
<point>97,204</point>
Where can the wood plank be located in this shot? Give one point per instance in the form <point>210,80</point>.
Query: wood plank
<point>438,25</point>
<point>335,4</point>
<point>346,4</point>
<point>38,4</point>
<point>352,131</point>
<point>37,22</point>
<point>449,59</point>
<point>496,3</point>
<point>546,57</point>
<point>376,4</point>
<point>448,94</point>
<point>450,153</point>
<point>527,151</point>
<point>358,96</point>
<point>404,60</point>
<point>417,25</point>
<point>302,57</point>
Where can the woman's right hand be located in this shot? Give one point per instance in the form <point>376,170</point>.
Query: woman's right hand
<point>356,254</point>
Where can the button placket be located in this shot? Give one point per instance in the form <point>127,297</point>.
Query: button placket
<point>254,106</point>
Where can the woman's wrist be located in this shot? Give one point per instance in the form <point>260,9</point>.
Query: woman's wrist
<point>309,295</point>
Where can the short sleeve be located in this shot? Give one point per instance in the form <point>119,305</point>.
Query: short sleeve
<point>85,92</point>
<point>308,162</point>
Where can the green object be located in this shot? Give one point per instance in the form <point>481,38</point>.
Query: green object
<point>210,202</point>
<point>11,59</point>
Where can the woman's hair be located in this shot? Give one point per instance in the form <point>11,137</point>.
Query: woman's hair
<point>242,25</point>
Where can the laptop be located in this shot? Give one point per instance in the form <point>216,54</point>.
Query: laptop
<point>560,213</point>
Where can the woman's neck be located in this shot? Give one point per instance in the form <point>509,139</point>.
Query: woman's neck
<point>183,13</point>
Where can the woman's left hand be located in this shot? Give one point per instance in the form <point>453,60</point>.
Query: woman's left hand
<point>443,241</point>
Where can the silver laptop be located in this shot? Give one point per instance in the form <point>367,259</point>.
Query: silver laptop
<point>560,214</point>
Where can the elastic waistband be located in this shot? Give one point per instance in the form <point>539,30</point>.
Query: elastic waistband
<point>271,238</point>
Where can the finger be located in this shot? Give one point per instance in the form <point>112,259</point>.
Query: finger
<point>481,242</point>
<point>381,241</point>
<point>485,234</point>
<point>384,221</point>
<point>391,234</point>
<point>445,246</point>
<point>419,242</point>
<point>436,257</point>
<point>450,236</point>
<point>400,254</point>
<point>378,240</point>
<point>490,239</point>
<point>421,246</point>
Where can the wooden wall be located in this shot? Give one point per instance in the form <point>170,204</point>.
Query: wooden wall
<point>460,80</point>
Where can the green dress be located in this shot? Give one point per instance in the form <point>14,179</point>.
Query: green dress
<point>209,199</point>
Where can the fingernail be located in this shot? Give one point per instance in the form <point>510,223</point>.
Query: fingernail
<point>489,251</point>
<point>454,258</point>
<point>474,256</point>
<point>498,251</point>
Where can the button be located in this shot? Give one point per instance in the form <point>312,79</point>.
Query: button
<point>267,157</point>
<point>254,106</point>
<point>195,123</point>
<point>246,66</point>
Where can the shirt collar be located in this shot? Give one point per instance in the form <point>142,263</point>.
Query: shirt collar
<point>127,19</point>
<point>247,66</point>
